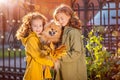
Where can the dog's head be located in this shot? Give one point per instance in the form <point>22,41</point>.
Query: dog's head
<point>52,32</point>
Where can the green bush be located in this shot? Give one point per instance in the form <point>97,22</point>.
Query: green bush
<point>100,63</point>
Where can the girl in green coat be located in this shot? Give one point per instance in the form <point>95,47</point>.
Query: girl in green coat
<point>73,65</point>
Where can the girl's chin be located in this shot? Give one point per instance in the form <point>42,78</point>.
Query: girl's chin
<point>63,24</point>
<point>38,33</point>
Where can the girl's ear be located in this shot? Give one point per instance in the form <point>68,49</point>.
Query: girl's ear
<point>69,17</point>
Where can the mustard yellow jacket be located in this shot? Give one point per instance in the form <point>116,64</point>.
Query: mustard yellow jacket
<point>35,63</point>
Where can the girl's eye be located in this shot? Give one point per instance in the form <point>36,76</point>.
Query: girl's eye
<point>40,25</point>
<point>61,18</point>
<point>34,26</point>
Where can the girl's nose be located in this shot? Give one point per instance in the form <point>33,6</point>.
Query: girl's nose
<point>37,27</point>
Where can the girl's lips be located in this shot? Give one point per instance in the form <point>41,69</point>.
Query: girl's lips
<point>37,31</point>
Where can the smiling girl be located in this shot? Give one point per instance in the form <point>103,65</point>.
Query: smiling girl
<point>29,32</point>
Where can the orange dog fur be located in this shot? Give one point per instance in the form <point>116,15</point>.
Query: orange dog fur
<point>51,33</point>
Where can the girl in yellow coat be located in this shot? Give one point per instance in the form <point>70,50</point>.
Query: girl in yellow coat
<point>28,33</point>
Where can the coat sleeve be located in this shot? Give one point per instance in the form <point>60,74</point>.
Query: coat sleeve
<point>33,49</point>
<point>76,47</point>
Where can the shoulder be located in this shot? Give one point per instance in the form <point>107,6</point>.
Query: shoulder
<point>32,34</point>
<point>32,37</point>
<point>74,31</point>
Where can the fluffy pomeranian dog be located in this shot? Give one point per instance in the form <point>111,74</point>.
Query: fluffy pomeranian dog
<point>52,33</point>
<point>50,38</point>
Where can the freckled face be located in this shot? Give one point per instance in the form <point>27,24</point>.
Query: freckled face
<point>62,19</point>
<point>37,26</point>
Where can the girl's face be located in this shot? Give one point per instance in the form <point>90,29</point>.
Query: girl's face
<point>37,26</point>
<point>62,18</point>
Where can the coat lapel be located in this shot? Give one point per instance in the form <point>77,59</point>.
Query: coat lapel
<point>65,34</point>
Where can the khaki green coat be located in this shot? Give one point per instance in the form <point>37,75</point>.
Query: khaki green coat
<point>73,65</point>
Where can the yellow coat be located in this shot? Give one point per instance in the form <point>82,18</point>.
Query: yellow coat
<point>35,63</point>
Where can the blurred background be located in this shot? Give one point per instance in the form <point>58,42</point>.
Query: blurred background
<point>101,15</point>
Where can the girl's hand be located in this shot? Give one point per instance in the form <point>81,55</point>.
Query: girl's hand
<point>57,65</point>
<point>43,53</point>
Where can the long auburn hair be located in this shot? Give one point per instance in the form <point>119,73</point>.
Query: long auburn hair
<point>74,20</point>
<point>25,27</point>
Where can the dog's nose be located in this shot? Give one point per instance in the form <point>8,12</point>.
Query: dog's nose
<point>51,33</point>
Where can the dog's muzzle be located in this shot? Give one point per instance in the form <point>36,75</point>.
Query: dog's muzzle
<point>52,33</point>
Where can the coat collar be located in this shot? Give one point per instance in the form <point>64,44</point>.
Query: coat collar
<point>24,40</point>
<point>67,29</point>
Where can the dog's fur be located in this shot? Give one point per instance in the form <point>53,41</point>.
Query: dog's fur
<point>51,33</point>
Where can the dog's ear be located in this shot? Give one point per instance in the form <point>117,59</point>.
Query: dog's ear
<point>52,24</point>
